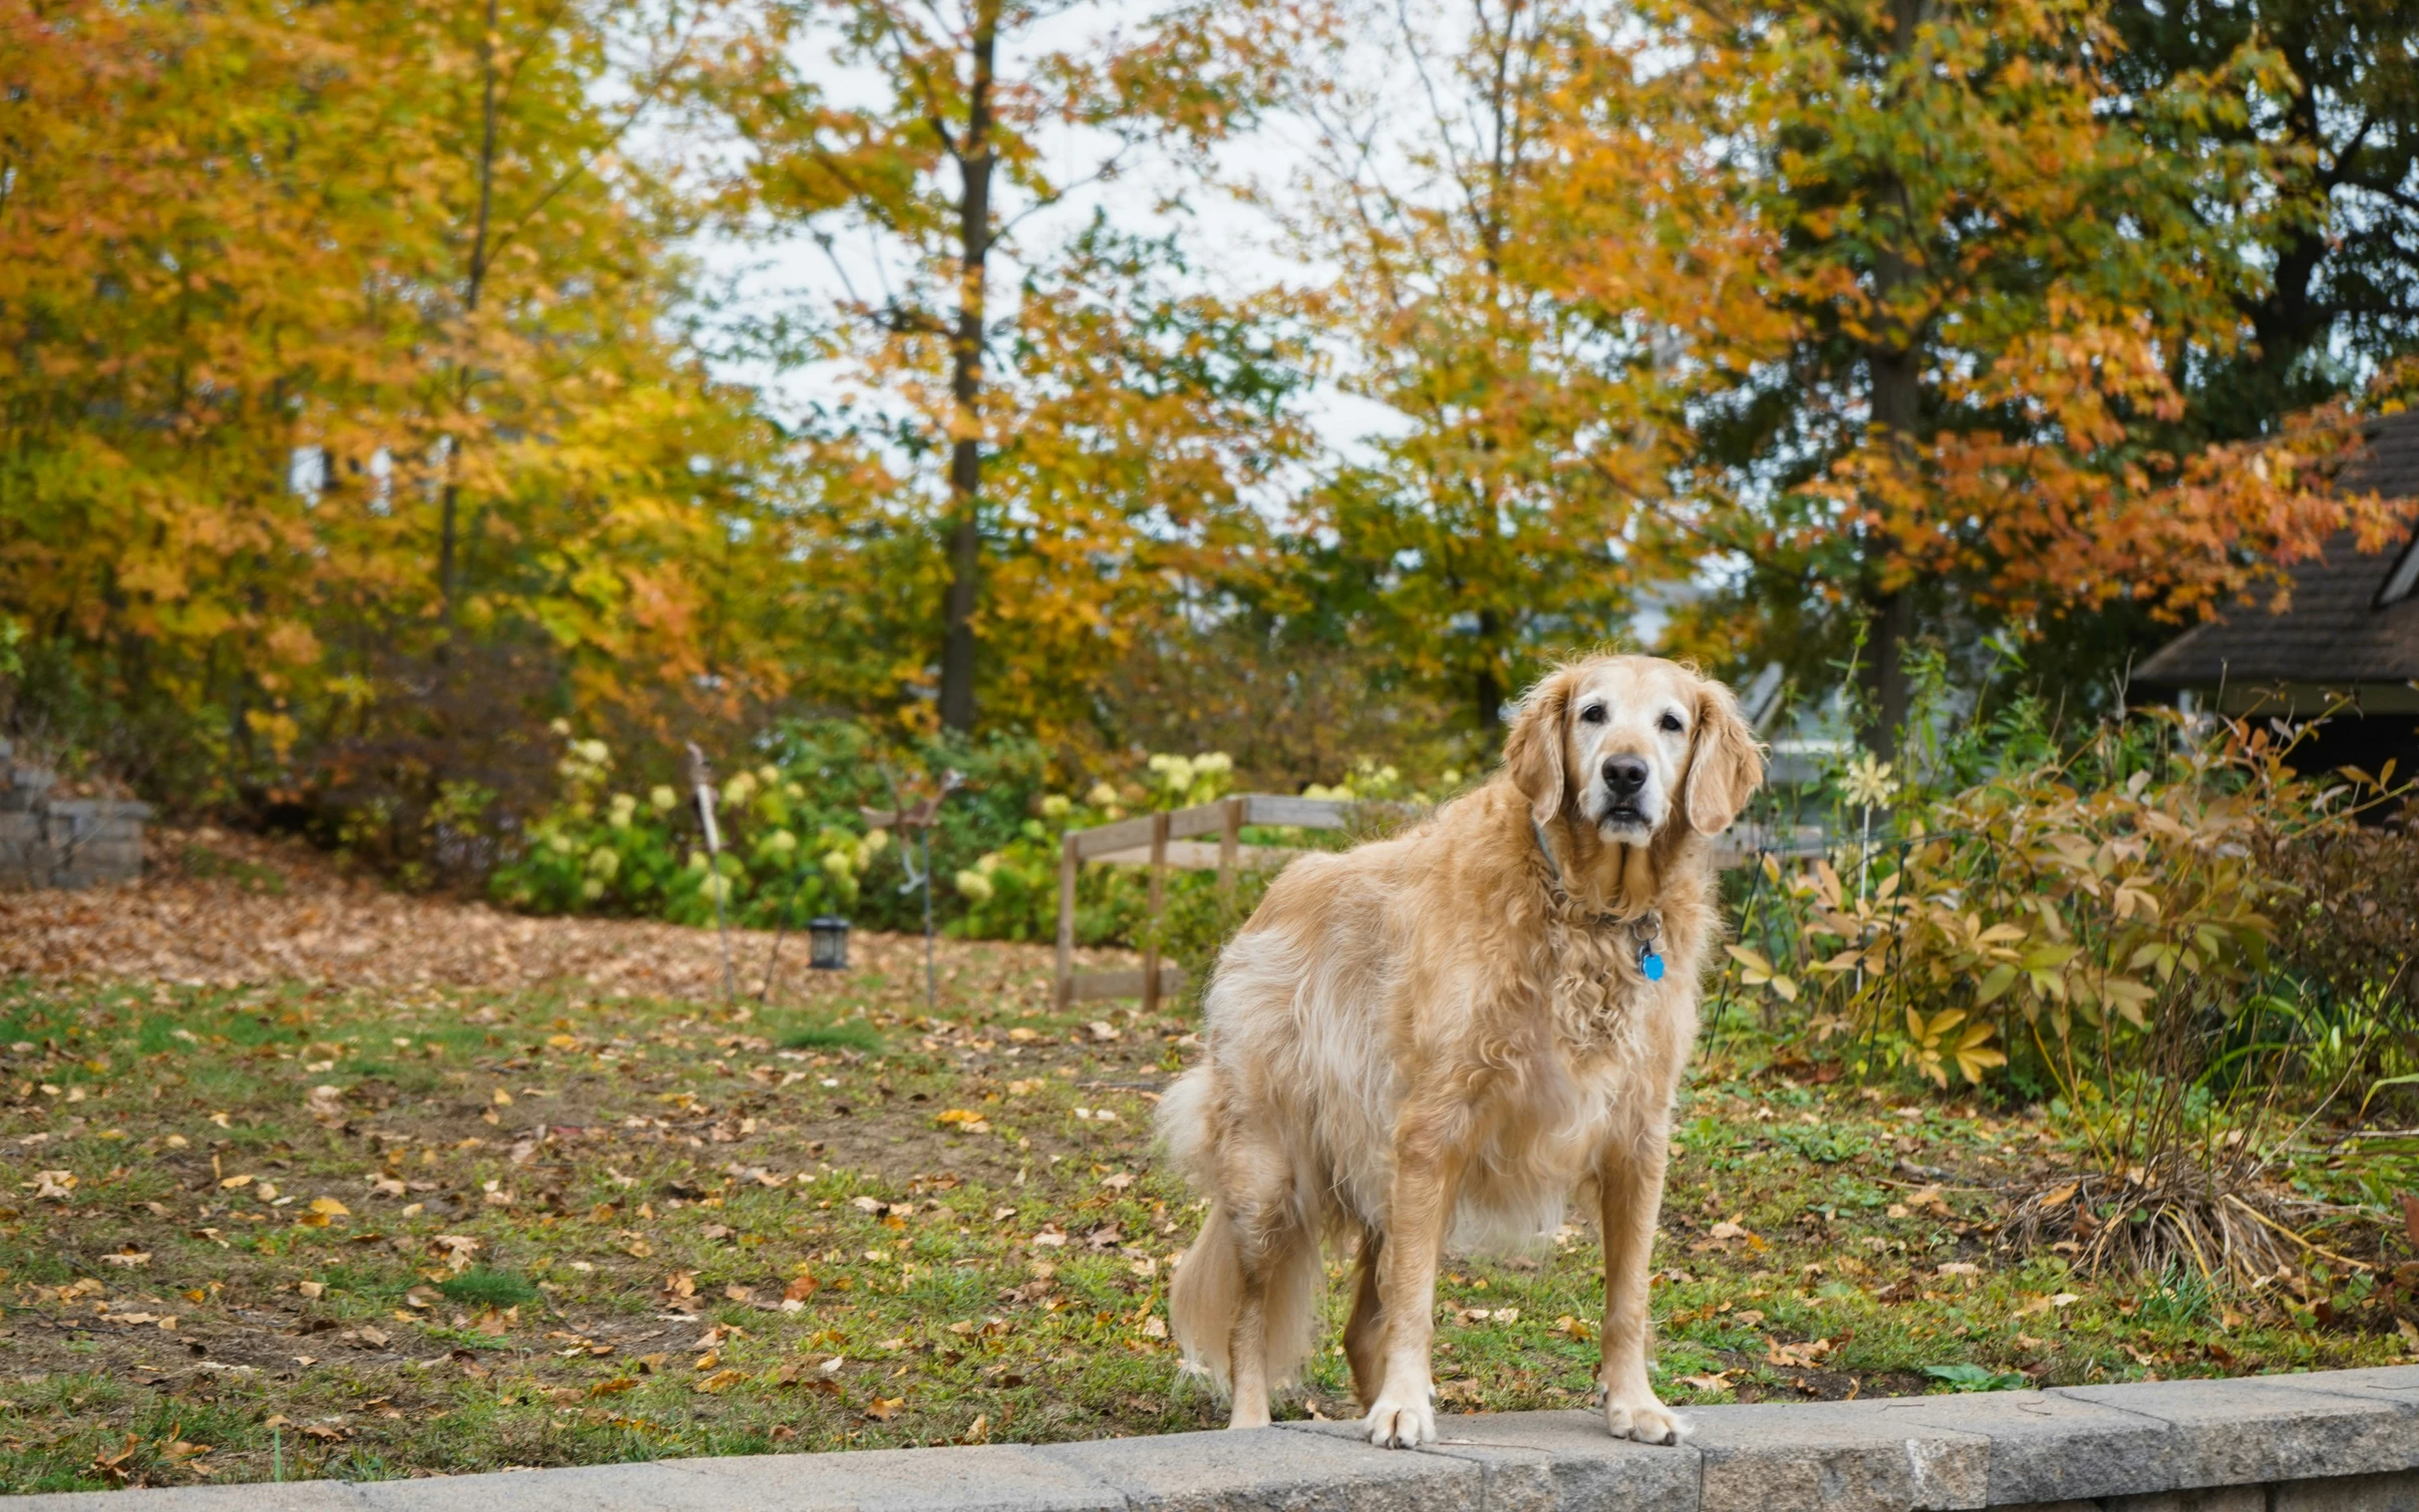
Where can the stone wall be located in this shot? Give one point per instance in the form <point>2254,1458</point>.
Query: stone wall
<point>51,842</point>
<point>2339,1442</point>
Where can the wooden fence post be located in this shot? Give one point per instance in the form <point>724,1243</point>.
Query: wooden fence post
<point>1158,897</point>
<point>1230,837</point>
<point>1062,991</point>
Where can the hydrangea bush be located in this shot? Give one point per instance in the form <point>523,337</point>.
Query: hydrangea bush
<point>602,850</point>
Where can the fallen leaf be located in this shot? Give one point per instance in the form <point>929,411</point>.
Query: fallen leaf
<point>111,1467</point>
<point>720,1382</point>
<point>884,1409</point>
<point>1796,1356</point>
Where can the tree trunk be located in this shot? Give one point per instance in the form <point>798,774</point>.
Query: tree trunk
<point>448,569</point>
<point>1487,686</point>
<point>1894,376</point>
<point>966,387</point>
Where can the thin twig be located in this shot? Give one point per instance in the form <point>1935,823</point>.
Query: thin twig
<point>2296,1237</point>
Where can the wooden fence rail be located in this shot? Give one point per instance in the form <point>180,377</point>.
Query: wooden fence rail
<point>1168,839</point>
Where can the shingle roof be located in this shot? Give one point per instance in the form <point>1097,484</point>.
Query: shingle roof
<point>2334,630</point>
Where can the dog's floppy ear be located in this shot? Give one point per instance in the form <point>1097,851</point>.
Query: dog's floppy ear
<point>1726,765</point>
<point>1533,753</point>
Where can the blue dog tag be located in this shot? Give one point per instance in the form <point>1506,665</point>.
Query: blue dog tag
<point>1652,963</point>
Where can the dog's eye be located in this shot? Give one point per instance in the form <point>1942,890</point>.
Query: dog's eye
<point>1671,722</point>
<point>1594,714</point>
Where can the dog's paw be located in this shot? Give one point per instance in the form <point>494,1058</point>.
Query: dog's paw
<point>1644,1420</point>
<point>1396,1424</point>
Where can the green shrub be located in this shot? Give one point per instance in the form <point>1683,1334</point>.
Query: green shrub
<point>603,852</point>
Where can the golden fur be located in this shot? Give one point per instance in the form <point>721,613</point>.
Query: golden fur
<point>1434,1041</point>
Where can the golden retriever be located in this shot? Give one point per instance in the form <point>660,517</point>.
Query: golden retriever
<point>1436,1040</point>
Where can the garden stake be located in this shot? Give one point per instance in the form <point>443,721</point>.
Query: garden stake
<point>920,818</point>
<point>780,923</point>
<point>701,777</point>
<point>771,959</point>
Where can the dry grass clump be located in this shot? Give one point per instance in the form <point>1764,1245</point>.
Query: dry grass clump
<point>2210,1214</point>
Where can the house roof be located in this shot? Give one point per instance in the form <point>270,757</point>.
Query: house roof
<point>2351,618</point>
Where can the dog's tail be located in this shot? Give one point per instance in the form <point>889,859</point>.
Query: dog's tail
<point>1207,1289</point>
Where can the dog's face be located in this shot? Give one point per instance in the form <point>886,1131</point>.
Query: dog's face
<point>1622,743</point>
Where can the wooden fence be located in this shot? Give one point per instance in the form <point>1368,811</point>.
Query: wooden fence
<point>1168,838</point>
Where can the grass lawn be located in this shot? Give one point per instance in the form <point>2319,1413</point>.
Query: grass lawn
<point>286,1231</point>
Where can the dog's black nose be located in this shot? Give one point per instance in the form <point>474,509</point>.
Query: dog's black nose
<point>1625,775</point>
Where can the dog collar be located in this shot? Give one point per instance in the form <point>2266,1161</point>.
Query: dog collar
<point>1646,931</point>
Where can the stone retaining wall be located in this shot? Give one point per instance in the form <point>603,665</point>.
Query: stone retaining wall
<point>2340,1441</point>
<point>48,841</point>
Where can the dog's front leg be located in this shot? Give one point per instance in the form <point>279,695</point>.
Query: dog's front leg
<point>1428,1146</point>
<point>1630,1179</point>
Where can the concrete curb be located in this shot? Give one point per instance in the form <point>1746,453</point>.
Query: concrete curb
<point>2338,1441</point>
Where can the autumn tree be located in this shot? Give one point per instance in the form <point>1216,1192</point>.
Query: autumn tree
<point>1993,275</point>
<point>2338,229</point>
<point>1518,492</point>
<point>1139,429</point>
<point>954,173</point>
<point>337,337</point>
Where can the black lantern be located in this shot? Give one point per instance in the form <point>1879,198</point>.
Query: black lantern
<point>828,943</point>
